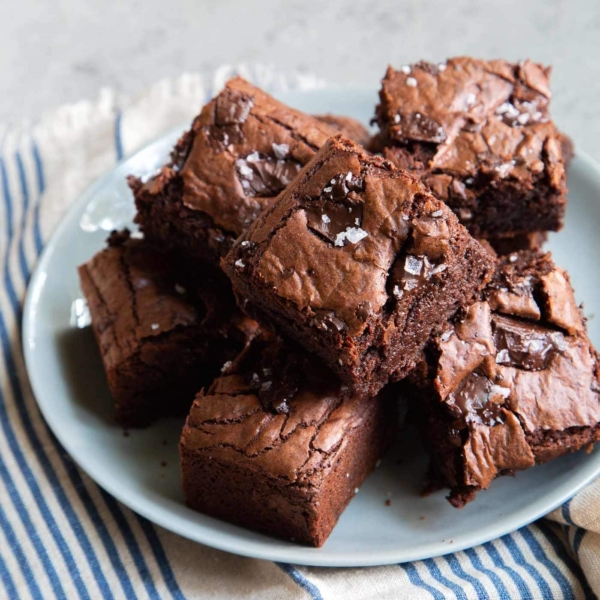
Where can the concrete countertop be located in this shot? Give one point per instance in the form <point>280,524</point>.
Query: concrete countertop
<point>57,52</point>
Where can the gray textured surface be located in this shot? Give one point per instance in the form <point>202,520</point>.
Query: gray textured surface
<point>61,51</point>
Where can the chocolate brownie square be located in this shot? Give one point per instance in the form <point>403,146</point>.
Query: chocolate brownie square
<point>513,380</point>
<point>479,135</point>
<point>358,262</point>
<point>242,150</point>
<point>161,337</point>
<point>279,445</point>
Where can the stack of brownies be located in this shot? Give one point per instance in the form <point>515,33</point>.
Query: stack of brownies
<point>303,279</point>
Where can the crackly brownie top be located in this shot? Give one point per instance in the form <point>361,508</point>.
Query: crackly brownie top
<point>136,297</point>
<point>515,364</point>
<point>246,147</point>
<point>277,409</point>
<point>352,238</point>
<point>468,119</point>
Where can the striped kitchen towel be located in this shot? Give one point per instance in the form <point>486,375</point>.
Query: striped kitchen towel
<point>64,537</point>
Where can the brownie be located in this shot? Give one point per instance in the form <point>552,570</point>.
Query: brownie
<point>350,127</point>
<point>279,445</point>
<point>161,337</point>
<point>242,150</point>
<point>358,262</point>
<point>480,136</point>
<point>513,380</point>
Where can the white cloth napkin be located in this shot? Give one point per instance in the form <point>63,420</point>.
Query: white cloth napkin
<point>63,537</point>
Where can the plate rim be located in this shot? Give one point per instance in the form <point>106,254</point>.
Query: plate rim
<point>229,542</point>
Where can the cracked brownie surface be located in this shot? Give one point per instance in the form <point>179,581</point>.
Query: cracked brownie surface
<point>480,135</point>
<point>242,150</point>
<point>358,262</point>
<point>511,382</point>
<point>280,444</point>
<point>161,337</point>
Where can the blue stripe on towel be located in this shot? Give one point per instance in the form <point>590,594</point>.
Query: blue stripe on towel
<point>161,558</point>
<point>304,583</point>
<point>437,574</point>
<point>494,554</point>
<point>543,558</point>
<point>415,579</point>
<point>517,555</point>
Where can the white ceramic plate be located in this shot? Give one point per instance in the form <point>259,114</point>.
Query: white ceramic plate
<point>68,380</point>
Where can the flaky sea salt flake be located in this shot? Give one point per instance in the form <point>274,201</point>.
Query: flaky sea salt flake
<point>351,234</point>
<point>280,150</point>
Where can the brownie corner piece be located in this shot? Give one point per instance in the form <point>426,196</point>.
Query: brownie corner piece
<point>480,135</point>
<point>160,337</point>
<point>513,381</point>
<point>278,444</point>
<point>359,262</point>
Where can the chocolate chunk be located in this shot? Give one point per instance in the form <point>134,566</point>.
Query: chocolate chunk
<point>262,175</point>
<point>525,345</point>
<point>341,185</point>
<point>431,236</point>
<point>420,127</point>
<point>519,304</point>
<point>331,218</point>
<point>478,401</point>
<point>328,321</point>
<point>364,310</point>
<point>411,272</point>
<point>276,379</point>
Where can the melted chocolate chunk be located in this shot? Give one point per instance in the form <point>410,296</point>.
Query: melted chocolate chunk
<point>262,175</point>
<point>422,128</point>
<point>364,311</point>
<point>331,218</point>
<point>340,188</point>
<point>525,345</point>
<point>276,380</point>
<point>411,272</point>
<point>227,112</point>
<point>327,320</point>
<point>431,236</point>
<point>471,402</point>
